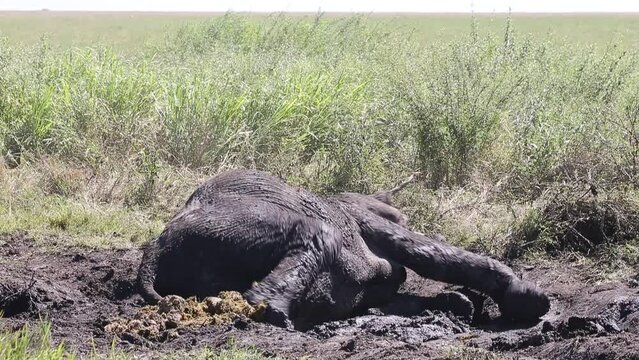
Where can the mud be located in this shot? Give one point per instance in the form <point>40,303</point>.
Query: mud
<point>89,297</point>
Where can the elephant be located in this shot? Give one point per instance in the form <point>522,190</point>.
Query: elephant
<point>311,258</point>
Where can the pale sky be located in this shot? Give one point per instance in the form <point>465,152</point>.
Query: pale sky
<point>329,5</point>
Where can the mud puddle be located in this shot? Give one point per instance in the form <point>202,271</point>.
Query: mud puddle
<point>84,293</point>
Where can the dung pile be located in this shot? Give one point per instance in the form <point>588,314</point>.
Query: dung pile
<point>160,322</point>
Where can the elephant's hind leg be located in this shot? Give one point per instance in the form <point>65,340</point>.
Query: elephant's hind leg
<point>312,246</point>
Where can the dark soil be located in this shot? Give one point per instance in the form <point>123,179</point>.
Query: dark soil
<point>81,291</point>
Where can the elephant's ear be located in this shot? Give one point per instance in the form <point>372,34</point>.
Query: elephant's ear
<point>386,196</point>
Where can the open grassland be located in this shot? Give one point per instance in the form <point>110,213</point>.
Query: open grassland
<point>525,128</point>
<point>129,32</point>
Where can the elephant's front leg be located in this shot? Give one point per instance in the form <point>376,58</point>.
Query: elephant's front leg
<point>311,247</point>
<point>437,260</point>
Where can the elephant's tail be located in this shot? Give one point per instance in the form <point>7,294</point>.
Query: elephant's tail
<point>147,272</point>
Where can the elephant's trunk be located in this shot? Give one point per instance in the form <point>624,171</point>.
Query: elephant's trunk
<point>147,271</point>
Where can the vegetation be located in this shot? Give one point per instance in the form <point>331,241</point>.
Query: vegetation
<point>528,144</point>
<point>30,344</point>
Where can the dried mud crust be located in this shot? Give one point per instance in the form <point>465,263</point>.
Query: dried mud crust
<point>89,297</point>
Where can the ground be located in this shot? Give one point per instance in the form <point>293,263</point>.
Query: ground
<point>81,291</point>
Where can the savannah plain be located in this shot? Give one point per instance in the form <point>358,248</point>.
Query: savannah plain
<point>525,129</point>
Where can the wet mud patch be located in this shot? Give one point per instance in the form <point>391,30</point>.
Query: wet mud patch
<point>411,330</point>
<point>90,299</point>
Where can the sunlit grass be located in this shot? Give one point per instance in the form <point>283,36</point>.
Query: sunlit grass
<point>35,342</point>
<point>28,343</point>
<point>71,223</point>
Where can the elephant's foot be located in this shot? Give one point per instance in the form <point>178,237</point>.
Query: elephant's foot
<point>275,313</point>
<point>523,301</point>
<point>278,318</point>
<point>456,303</point>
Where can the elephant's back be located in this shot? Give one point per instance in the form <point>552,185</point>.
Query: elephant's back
<point>264,187</point>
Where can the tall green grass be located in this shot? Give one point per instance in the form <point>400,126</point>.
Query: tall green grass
<point>223,93</point>
<point>334,103</point>
<point>526,110</point>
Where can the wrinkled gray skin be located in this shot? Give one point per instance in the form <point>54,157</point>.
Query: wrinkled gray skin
<point>311,258</point>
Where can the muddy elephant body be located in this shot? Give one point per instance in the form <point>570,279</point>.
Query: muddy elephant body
<point>310,258</point>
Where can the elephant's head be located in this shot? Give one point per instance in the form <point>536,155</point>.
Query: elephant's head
<point>378,206</point>
<point>381,203</point>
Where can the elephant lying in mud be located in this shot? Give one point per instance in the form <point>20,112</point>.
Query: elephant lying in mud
<point>311,258</point>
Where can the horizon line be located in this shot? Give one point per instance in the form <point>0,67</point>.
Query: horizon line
<point>44,10</point>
